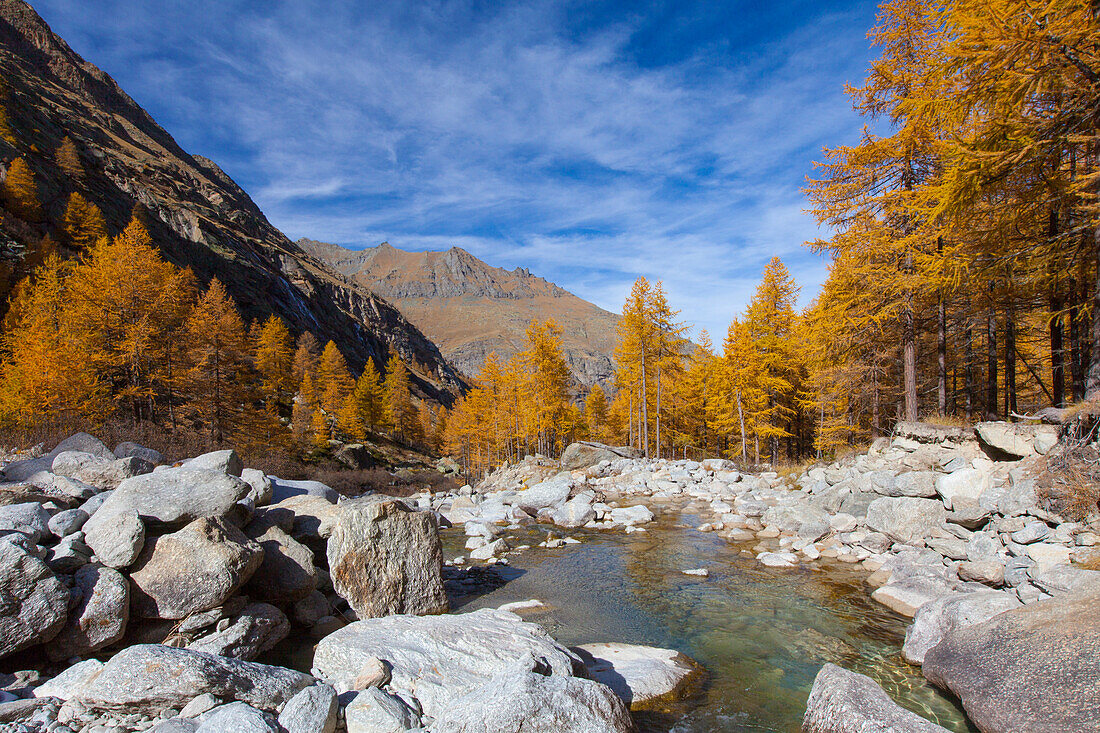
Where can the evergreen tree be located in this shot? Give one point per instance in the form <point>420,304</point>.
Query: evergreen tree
<point>369,398</point>
<point>274,359</point>
<point>401,414</point>
<point>68,160</point>
<point>595,411</point>
<point>20,192</point>
<point>83,222</point>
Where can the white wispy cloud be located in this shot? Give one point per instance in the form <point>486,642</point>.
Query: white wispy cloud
<point>502,131</point>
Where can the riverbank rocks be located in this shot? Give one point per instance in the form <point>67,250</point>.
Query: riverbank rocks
<point>526,700</point>
<point>100,617</point>
<point>286,573</point>
<point>437,659</point>
<point>645,677</point>
<point>584,454</point>
<point>152,678</point>
<point>936,619</point>
<point>172,497</point>
<point>33,602</point>
<point>116,540</point>
<point>191,570</point>
<point>962,485</point>
<point>256,629</point>
<point>313,710</point>
<point>1030,669</point>
<point>1015,441</point>
<point>385,559</point>
<point>842,701</point>
<point>905,519</point>
<point>549,493</point>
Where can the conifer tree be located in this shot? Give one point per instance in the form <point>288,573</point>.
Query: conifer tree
<point>219,360</point>
<point>306,356</point>
<point>369,398</point>
<point>595,412</point>
<point>274,358</point>
<point>83,222</point>
<point>401,414</point>
<point>68,159</point>
<point>20,192</point>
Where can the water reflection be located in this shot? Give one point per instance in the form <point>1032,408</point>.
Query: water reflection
<point>761,633</point>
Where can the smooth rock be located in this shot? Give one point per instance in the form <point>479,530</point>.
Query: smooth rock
<point>283,489</point>
<point>66,522</point>
<point>236,717</point>
<point>375,711</point>
<point>967,483</point>
<point>127,449</point>
<point>223,461</point>
<point>842,701</point>
<point>1030,669</point>
<point>645,677</point>
<point>385,559</point>
<point>549,493</point>
<point>439,658</point>
<point>28,518</point>
<point>989,572</point>
<point>262,490</point>
<point>286,573</point>
<point>313,710</point>
<point>151,677</point>
<point>937,618</point>
<point>71,682</point>
<point>176,496</point>
<point>584,454</point>
<point>193,569</point>
<point>905,519</point>
<point>116,540</point>
<point>519,700</point>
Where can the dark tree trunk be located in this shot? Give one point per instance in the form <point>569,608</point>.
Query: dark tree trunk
<point>991,365</point>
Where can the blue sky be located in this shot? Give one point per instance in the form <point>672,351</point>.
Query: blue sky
<point>589,141</point>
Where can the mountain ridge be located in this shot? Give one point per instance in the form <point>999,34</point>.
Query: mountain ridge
<point>199,217</point>
<point>471,308</point>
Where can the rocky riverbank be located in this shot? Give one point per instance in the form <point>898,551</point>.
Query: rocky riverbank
<point>143,593</point>
<point>139,595</point>
<point>948,524</point>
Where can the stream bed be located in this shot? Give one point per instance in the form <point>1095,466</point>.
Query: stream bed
<point>761,633</point>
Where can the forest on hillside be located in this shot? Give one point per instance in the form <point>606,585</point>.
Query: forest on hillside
<point>963,285</point>
<point>964,250</point>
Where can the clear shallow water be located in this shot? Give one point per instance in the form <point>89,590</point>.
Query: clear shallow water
<point>762,633</point>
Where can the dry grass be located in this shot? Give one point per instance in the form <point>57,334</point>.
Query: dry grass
<point>1068,478</point>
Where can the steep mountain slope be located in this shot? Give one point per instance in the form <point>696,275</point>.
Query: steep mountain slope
<point>470,308</point>
<point>199,217</point>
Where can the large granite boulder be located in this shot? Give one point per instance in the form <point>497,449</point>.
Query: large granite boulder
<point>584,454</point>
<point>805,520</point>
<point>151,678</point>
<point>523,700</point>
<point>437,659</point>
<point>959,487</point>
<point>313,710</point>
<point>83,442</point>
<point>385,559</point>
<point>33,602</point>
<point>94,471</point>
<point>173,497</point>
<point>99,619</point>
<point>905,519</point>
<point>223,461</point>
<point>1012,442</point>
<point>27,518</point>
<point>553,492</point>
<point>937,618</point>
<point>192,570</point>
<point>842,701</point>
<point>1031,669</point>
<point>645,677</point>
<point>116,540</point>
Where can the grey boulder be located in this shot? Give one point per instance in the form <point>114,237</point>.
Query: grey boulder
<point>151,678</point>
<point>313,710</point>
<point>237,717</point>
<point>842,701</point>
<point>117,539</point>
<point>127,449</point>
<point>905,519</point>
<point>33,602</point>
<point>175,496</point>
<point>258,627</point>
<point>643,676</point>
<point>191,570</point>
<point>99,619</point>
<point>1030,669</point>
<point>385,559</point>
<point>287,573</point>
<point>937,618</point>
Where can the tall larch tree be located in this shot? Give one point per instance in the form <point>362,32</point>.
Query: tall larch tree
<point>83,222</point>
<point>401,414</point>
<point>20,191</point>
<point>68,160</point>
<point>274,359</point>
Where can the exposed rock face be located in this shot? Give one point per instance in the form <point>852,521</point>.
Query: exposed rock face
<point>440,658</point>
<point>1016,441</point>
<point>470,308</point>
<point>150,677</point>
<point>1031,669</point>
<point>846,702</point>
<point>385,559</point>
<point>33,602</point>
<point>100,618</point>
<point>198,216</point>
<point>287,573</point>
<point>192,570</point>
<point>644,677</point>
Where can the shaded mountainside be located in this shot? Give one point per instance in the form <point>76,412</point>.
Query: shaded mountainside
<point>199,217</point>
<point>471,308</point>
